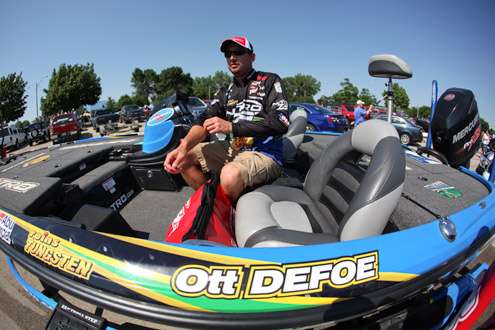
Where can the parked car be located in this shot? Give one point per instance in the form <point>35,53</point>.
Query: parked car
<point>409,133</point>
<point>423,123</point>
<point>321,119</point>
<point>12,137</point>
<point>38,132</point>
<point>196,105</point>
<point>65,127</point>
<point>102,117</point>
<point>132,112</point>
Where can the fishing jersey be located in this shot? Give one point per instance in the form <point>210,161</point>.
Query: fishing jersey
<point>258,112</point>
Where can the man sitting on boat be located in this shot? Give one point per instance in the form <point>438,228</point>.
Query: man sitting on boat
<point>248,118</point>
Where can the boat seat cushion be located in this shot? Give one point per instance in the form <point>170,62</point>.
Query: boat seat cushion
<point>281,216</point>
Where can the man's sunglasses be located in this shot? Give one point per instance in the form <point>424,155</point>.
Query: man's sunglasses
<point>229,53</point>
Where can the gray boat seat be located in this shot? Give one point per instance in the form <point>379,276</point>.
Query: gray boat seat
<point>295,134</point>
<point>273,216</point>
<point>388,66</point>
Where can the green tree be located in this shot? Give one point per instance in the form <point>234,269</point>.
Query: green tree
<point>401,99</point>
<point>22,124</point>
<point>124,100</point>
<point>326,101</point>
<point>174,79</point>
<point>206,87</point>
<point>111,104</point>
<point>12,98</point>
<point>485,126</point>
<point>366,96</point>
<point>301,88</point>
<point>347,94</point>
<point>139,100</point>
<point>144,83</point>
<point>203,87</point>
<point>220,79</point>
<point>70,88</point>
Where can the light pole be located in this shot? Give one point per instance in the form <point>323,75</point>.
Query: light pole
<point>37,115</point>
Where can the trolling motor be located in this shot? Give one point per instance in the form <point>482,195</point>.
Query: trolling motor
<point>391,67</point>
<point>455,127</point>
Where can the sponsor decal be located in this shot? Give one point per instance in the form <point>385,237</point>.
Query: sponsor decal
<point>283,119</point>
<point>82,166</point>
<point>261,77</point>
<point>474,138</point>
<point>245,110</point>
<point>6,227</point>
<point>449,97</point>
<point>37,160</point>
<point>461,134</point>
<point>232,102</point>
<point>180,215</point>
<point>16,185</point>
<point>268,281</point>
<point>256,88</point>
<point>48,248</point>
<point>109,185</point>
<point>444,190</point>
<point>122,200</point>
<point>281,105</point>
<point>278,87</point>
<point>160,116</point>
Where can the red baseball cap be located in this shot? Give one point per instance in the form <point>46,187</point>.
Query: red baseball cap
<point>241,41</point>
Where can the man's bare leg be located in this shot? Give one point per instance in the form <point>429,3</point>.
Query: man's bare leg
<point>231,181</point>
<point>192,173</point>
<point>193,176</point>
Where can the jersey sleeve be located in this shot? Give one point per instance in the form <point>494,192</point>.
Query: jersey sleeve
<point>274,121</point>
<point>215,109</point>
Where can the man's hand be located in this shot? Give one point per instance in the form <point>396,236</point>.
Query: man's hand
<point>175,159</point>
<point>217,125</point>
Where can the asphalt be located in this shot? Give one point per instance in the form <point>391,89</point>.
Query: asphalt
<point>19,310</point>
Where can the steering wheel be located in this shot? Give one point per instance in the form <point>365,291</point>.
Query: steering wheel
<point>434,153</point>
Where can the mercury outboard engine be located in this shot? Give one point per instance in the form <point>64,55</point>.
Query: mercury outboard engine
<point>455,127</point>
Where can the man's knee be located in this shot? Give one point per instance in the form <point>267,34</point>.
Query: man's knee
<point>231,180</point>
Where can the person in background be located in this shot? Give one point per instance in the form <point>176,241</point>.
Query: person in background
<point>360,113</point>
<point>248,117</point>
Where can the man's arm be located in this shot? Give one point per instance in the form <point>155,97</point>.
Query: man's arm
<point>215,109</point>
<point>276,120</point>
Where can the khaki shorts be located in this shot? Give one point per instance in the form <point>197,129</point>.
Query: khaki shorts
<point>255,167</point>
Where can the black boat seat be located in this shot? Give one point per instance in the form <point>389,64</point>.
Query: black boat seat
<point>273,216</point>
<point>388,66</point>
<point>295,134</point>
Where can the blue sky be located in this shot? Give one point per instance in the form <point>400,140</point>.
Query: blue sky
<point>450,41</point>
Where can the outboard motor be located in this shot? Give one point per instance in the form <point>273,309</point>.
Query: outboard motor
<point>455,127</point>
<point>161,135</point>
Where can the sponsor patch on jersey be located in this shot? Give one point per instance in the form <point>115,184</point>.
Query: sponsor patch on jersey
<point>281,105</point>
<point>261,77</point>
<point>278,87</point>
<point>283,119</point>
<point>232,103</point>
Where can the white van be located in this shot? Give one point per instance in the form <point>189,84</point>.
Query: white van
<point>12,137</point>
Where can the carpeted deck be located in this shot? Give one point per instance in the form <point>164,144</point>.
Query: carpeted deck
<point>152,211</point>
